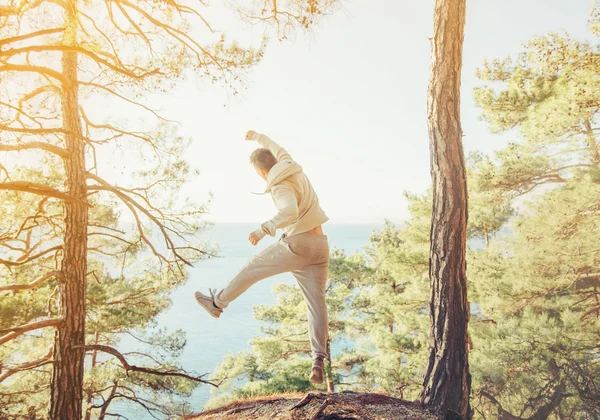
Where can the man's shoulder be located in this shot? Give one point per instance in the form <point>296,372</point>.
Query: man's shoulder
<point>285,184</point>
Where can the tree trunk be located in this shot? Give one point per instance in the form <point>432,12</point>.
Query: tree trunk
<point>330,383</point>
<point>90,396</point>
<point>447,382</point>
<point>67,379</point>
<point>591,141</point>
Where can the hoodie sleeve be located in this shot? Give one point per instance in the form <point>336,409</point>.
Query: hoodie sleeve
<point>287,211</point>
<point>279,152</point>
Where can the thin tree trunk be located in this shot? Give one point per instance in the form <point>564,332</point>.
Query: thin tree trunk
<point>67,379</point>
<point>330,383</point>
<point>591,141</point>
<point>90,394</point>
<point>447,382</point>
<point>104,408</point>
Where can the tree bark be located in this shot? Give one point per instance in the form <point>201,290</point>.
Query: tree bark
<point>447,382</point>
<point>69,351</point>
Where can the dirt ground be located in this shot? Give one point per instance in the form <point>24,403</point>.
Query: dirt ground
<point>316,406</point>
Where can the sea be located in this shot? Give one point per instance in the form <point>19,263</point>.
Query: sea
<point>209,339</point>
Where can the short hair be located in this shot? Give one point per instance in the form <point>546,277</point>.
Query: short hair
<point>263,159</point>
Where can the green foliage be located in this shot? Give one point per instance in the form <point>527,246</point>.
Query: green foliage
<point>534,337</point>
<point>488,210</point>
<point>550,94</point>
<point>595,18</point>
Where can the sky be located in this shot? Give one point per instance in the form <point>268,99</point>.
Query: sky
<point>349,104</point>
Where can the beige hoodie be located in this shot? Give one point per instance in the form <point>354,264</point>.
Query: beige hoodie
<point>298,209</point>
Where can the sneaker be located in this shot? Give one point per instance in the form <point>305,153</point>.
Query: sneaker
<point>208,303</point>
<point>317,374</point>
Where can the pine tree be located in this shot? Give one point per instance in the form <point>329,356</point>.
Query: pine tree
<point>56,58</point>
<point>447,382</point>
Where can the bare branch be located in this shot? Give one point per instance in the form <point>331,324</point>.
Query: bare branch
<point>20,112</point>
<point>22,329</point>
<point>118,95</point>
<point>59,151</point>
<point>40,131</point>
<point>111,236</point>
<point>35,283</point>
<point>128,367</point>
<point>37,91</point>
<point>33,257</point>
<point>26,366</point>
<point>37,69</point>
<point>34,188</point>
<point>132,205</point>
<point>8,11</point>
<point>181,36</point>
<point>31,35</point>
<point>90,54</point>
<point>114,129</point>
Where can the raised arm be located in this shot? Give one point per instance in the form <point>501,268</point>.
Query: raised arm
<point>279,152</point>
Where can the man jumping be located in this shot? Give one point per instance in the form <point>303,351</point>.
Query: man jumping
<point>302,250</point>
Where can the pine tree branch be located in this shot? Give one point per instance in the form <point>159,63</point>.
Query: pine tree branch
<point>590,311</point>
<point>544,411</point>
<point>133,368</point>
<point>6,11</point>
<point>22,329</point>
<point>541,413</point>
<point>34,188</point>
<point>38,281</point>
<point>40,131</point>
<point>31,35</point>
<point>106,403</point>
<point>122,70</point>
<point>111,236</point>
<point>502,414</point>
<point>37,91</point>
<point>9,263</point>
<point>135,215</point>
<point>144,403</point>
<point>37,69</point>
<point>175,33</point>
<point>133,205</point>
<point>20,112</point>
<point>140,32</point>
<point>118,95</point>
<point>59,151</point>
<point>26,366</point>
<point>115,129</point>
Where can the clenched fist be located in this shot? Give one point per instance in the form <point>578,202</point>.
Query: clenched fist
<point>250,134</point>
<point>253,238</point>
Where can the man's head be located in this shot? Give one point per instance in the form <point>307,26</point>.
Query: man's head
<point>263,160</point>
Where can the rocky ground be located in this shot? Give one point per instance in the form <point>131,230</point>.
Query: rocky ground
<point>337,406</point>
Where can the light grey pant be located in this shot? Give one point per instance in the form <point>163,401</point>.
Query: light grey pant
<point>306,256</point>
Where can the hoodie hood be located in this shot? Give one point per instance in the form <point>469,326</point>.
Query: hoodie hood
<point>281,171</point>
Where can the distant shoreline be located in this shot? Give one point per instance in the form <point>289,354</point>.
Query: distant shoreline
<point>326,224</point>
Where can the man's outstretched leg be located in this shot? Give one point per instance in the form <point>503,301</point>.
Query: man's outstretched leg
<point>275,259</point>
